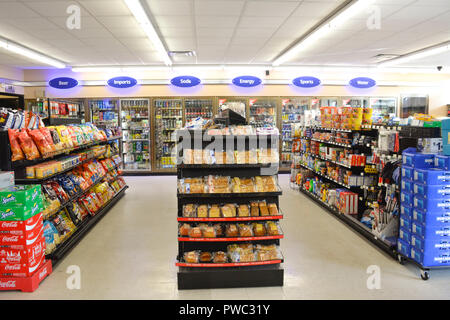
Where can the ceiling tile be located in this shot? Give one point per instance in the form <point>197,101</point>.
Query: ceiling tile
<point>54,8</point>
<point>270,8</point>
<point>174,21</point>
<point>224,7</point>
<point>315,9</point>
<point>255,32</point>
<point>180,43</point>
<point>172,7</point>
<point>86,22</point>
<point>127,32</point>
<point>116,22</point>
<point>211,32</point>
<point>214,21</point>
<point>100,8</point>
<point>213,40</point>
<point>16,10</point>
<point>177,32</point>
<point>266,22</point>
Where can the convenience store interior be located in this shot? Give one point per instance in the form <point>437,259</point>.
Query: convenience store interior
<point>60,62</point>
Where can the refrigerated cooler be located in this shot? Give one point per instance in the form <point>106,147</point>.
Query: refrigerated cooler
<point>168,118</point>
<point>383,107</point>
<point>135,124</point>
<point>262,112</point>
<point>355,102</point>
<point>104,113</point>
<point>194,108</point>
<point>292,111</point>
<point>238,105</point>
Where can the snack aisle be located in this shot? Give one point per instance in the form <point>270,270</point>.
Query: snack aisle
<point>168,118</point>
<point>136,127</point>
<point>66,178</point>
<point>228,213</point>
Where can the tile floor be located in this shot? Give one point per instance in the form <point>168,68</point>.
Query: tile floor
<point>130,254</point>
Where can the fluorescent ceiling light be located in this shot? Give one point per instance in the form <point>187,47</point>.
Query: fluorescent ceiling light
<point>417,55</point>
<point>138,11</point>
<point>30,54</point>
<point>326,28</point>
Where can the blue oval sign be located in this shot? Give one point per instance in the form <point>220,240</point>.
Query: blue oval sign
<point>185,81</point>
<point>63,83</point>
<point>246,81</point>
<point>122,82</point>
<point>306,82</point>
<point>363,83</point>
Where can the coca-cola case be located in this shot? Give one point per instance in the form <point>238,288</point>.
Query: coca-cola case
<point>21,227</point>
<point>12,241</point>
<point>22,269</point>
<point>29,255</point>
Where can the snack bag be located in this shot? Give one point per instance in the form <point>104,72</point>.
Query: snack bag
<point>48,137</point>
<point>50,233</point>
<point>27,145</point>
<point>44,147</point>
<point>16,151</point>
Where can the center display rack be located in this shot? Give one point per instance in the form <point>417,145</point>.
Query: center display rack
<point>230,274</point>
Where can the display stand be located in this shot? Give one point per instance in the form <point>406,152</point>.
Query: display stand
<point>225,275</point>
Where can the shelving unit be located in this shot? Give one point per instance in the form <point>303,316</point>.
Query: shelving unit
<point>135,123</point>
<point>230,274</point>
<point>63,112</point>
<point>262,112</point>
<point>194,108</point>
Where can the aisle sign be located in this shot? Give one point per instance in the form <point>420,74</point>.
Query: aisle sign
<point>246,81</point>
<point>185,81</point>
<point>122,82</point>
<point>63,83</point>
<point>362,83</point>
<point>306,82</point>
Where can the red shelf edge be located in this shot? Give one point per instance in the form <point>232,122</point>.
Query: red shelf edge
<point>184,219</point>
<point>232,264</point>
<point>230,239</point>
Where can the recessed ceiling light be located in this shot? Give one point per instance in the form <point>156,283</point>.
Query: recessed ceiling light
<point>182,53</point>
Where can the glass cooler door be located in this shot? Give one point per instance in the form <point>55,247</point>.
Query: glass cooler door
<point>168,118</point>
<point>194,108</point>
<point>383,107</point>
<point>263,112</point>
<point>238,105</point>
<point>292,112</point>
<point>104,113</point>
<point>135,123</point>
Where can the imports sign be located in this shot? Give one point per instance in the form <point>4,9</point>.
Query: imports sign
<point>246,81</point>
<point>306,82</point>
<point>185,81</point>
<point>362,83</point>
<point>122,82</point>
<point>63,83</point>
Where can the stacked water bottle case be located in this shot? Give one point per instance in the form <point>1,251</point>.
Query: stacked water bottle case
<point>425,209</point>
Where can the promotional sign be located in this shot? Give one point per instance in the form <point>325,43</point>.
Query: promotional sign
<point>363,83</point>
<point>185,81</point>
<point>122,82</point>
<point>63,83</point>
<point>246,81</point>
<point>306,82</point>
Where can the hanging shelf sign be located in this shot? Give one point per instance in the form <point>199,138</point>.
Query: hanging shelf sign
<point>185,81</point>
<point>363,83</point>
<point>306,82</point>
<point>63,83</point>
<point>122,82</point>
<point>246,81</point>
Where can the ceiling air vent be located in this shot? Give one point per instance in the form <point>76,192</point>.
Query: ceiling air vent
<point>182,53</point>
<point>383,57</point>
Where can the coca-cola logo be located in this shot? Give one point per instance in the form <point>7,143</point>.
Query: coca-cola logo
<point>10,239</point>
<point>10,224</point>
<point>12,267</point>
<point>8,284</point>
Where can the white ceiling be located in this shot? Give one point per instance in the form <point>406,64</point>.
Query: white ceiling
<point>221,31</point>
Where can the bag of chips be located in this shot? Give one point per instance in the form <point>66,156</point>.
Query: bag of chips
<point>44,147</point>
<point>28,147</point>
<point>16,151</point>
